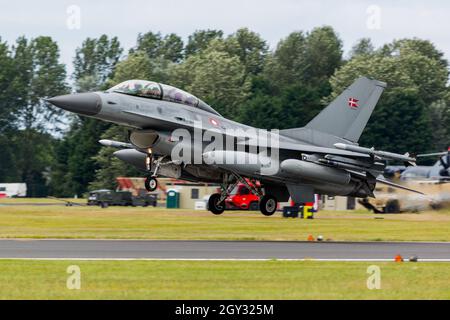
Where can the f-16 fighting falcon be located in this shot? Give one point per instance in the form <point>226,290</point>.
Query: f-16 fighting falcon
<point>174,134</point>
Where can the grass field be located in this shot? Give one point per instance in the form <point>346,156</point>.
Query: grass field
<point>39,200</point>
<point>222,280</point>
<point>159,223</point>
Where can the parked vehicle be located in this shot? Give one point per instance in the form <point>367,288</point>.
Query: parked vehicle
<point>105,198</point>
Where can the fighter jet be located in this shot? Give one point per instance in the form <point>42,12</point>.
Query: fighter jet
<point>175,134</point>
<point>439,171</point>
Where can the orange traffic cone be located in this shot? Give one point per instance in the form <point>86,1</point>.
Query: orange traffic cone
<point>398,258</point>
<point>310,238</point>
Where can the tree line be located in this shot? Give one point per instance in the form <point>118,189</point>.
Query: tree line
<point>57,153</point>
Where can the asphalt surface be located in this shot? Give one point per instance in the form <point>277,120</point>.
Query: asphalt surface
<point>155,249</point>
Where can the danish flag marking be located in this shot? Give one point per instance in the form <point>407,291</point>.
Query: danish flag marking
<point>353,103</point>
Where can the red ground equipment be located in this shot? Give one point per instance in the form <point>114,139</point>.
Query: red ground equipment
<point>241,198</point>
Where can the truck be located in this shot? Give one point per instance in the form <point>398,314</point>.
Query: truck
<point>106,197</point>
<point>13,190</point>
<point>241,198</point>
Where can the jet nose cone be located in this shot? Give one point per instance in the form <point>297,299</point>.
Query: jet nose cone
<point>88,104</point>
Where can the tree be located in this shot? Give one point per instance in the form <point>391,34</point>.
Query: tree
<point>8,96</point>
<point>416,80</point>
<point>172,48</point>
<point>250,48</point>
<point>39,71</point>
<point>74,168</point>
<point>200,39</point>
<point>136,66</point>
<point>169,48</point>
<point>323,54</point>
<point>287,64</point>
<point>296,78</point>
<point>95,61</point>
<point>214,76</point>
<point>34,74</point>
<point>363,47</point>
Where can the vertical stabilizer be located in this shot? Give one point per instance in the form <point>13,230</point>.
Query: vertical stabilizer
<point>347,116</point>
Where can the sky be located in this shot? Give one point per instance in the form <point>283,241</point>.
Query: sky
<point>69,22</point>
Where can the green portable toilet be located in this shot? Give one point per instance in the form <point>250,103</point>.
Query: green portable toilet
<point>173,199</point>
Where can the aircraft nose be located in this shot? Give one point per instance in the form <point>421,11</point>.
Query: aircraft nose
<point>88,104</point>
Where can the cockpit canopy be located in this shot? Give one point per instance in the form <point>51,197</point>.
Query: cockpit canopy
<point>155,90</point>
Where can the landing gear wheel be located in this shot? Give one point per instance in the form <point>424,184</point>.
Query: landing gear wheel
<point>392,206</point>
<point>214,205</point>
<point>268,205</point>
<point>151,184</point>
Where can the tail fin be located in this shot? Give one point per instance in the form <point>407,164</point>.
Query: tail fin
<point>347,116</point>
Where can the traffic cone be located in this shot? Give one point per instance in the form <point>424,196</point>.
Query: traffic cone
<point>310,238</point>
<point>398,258</point>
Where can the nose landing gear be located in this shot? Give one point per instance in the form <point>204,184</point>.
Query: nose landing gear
<point>151,183</point>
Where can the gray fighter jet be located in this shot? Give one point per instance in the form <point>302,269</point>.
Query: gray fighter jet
<point>439,171</point>
<point>175,134</point>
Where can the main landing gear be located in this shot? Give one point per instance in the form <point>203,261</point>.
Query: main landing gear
<point>216,203</point>
<point>268,205</point>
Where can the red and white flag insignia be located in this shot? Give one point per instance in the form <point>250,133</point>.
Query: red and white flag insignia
<point>353,103</point>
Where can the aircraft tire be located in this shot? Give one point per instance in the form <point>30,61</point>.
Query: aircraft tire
<point>268,205</point>
<point>214,206</point>
<point>151,184</point>
<point>392,206</point>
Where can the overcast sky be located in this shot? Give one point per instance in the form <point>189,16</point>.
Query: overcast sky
<point>382,21</point>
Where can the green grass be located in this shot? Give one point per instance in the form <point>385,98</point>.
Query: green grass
<point>158,223</point>
<point>39,200</point>
<point>25,279</point>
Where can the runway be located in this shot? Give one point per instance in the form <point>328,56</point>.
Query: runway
<point>221,250</point>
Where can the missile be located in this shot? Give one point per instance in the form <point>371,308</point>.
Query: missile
<point>115,144</point>
<point>371,151</point>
